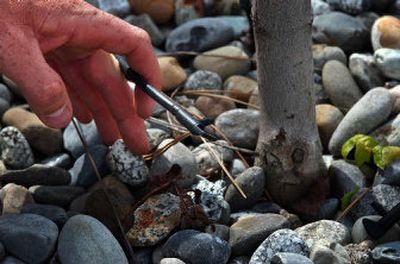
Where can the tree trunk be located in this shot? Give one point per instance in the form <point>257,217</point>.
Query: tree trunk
<point>289,147</point>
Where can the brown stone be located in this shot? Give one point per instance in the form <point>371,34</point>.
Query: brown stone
<point>213,107</point>
<point>14,197</point>
<point>161,11</point>
<point>172,73</point>
<point>42,138</point>
<point>386,33</point>
<point>240,87</point>
<point>328,118</point>
<point>254,101</point>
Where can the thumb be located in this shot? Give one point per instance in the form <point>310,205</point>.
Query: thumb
<point>42,87</point>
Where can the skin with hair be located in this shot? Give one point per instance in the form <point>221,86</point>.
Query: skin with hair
<point>58,52</point>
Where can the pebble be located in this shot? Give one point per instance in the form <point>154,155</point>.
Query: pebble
<point>237,167</point>
<point>368,18</point>
<point>15,149</point>
<point>385,33</point>
<point>351,6</point>
<point>240,87</point>
<point>40,137</point>
<point>82,172</point>
<point>328,209</point>
<point>127,167</point>
<point>250,231</point>
<point>37,175</point>
<point>372,110</point>
<point>56,195</point>
<point>365,72</point>
<point>212,200</point>
<point>156,136</point>
<point>203,80</point>
<point>98,205</point>
<point>116,7</point>
<point>389,133</point>
<point>395,92</point>
<point>4,106</point>
<point>342,30</point>
<point>171,72</point>
<point>171,261</point>
<point>388,62</point>
<point>94,243</point>
<point>364,206</point>
<point>213,107</point>
<point>11,260</point>
<point>328,118</point>
<point>340,85</point>
<point>161,11</point>
<point>240,126</point>
<point>185,12</point>
<point>320,7</point>
<point>180,155</point>
<point>13,197</point>
<point>62,160</point>
<point>145,22</point>
<point>323,53</point>
<point>206,161</point>
<point>359,234</point>
<point>345,177</point>
<point>391,174</point>
<point>283,240</point>
<point>324,232</point>
<point>290,258</point>
<point>386,196</point>
<point>197,248</point>
<point>143,255</point>
<point>321,254</point>
<point>388,253</point>
<point>224,67</point>
<point>5,93</point>
<point>359,253</point>
<point>218,230</point>
<point>239,24</point>
<point>29,237</point>
<point>54,213</point>
<point>71,139</point>
<point>155,219</point>
<point>199,35</point>
<point>252,182</point>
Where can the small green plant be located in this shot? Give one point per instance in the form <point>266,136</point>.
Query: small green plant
<point>365,150</point>
<point>346,199</point>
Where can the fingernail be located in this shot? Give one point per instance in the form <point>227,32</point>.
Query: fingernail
<point>59,118</point>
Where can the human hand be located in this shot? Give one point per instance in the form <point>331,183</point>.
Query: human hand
<point>58,53</point>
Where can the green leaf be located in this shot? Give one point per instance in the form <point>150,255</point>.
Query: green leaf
<point>385,155</point>
<point>346,199</point>
<point>350,144</point>
<point>364,146</point>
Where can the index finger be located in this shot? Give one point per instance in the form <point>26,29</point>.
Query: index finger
<point>95,29</point>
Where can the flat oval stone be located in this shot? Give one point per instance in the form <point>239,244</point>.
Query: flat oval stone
<point>29,237</point>
<point>340,85</point>
<point>290,258</point>
<point>52,212</point>
<point>85,240</point>
<point>37,175</point>
<point>203,80</point>
<point>199,35</point>
<point>388,61</point>
<point>195,247</point>
<point>248,232</point>
<point>369,112</point>
<point>365,71</point>
<point>252,182</point>
<point>13,197</point>
<point>55,195</point>
<point>240,126</point>
<point>340,29</point>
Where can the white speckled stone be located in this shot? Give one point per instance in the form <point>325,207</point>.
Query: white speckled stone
<point>15,150</point>
<point>127,167</point>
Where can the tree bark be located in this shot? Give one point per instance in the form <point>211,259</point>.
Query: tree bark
<point>289,146</point>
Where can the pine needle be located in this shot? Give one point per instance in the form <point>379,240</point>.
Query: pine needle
<point>352,204</point>
<point>193,53</point>
<point>224,97</point>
